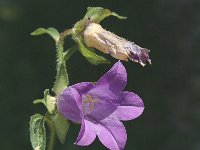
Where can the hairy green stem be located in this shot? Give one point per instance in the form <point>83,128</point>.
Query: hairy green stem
<point>52,132</point>
<point>61,73</point>
<point>60,48</point>
<point>61,70</point>
<point>61,76</point>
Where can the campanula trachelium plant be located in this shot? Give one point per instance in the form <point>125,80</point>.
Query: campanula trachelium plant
<point>99,107</point>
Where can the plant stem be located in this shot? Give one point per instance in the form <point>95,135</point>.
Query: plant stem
<point>61,77</point>
<point>60,48</point>
<point>52,132</point>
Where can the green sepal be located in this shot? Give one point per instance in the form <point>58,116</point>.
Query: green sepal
<point>43,100</point>
<point>92,57</point>
<point>39,101</point>
<point>37,132</point>
<point>61,79</point>
<point>94,14</point>
<point>48,100</point>
<point>50,31</point>
<point>69,52</point>
<point>62,126</point>
<point>97,14</point>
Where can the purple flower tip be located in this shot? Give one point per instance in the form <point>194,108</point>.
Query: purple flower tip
<point>101,107</point>
<point>140,55</point>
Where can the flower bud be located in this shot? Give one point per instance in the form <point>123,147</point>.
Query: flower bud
<point>51,103</point>
<point>97,37</point>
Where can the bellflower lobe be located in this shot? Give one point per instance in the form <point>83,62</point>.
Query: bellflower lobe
<point>101,107</point>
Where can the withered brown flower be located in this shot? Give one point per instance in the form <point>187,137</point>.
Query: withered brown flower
<point>97,37</point>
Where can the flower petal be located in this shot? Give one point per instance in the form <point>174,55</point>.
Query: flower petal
<point>87,133</point>
<point>115,79</point>
<point>112,134</point>
<point>130,108</point>
<point>83,87</point>
<point>69,105</point>
<point>106,103</point>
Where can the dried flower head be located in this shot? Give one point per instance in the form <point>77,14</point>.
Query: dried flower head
<point>97,37</point>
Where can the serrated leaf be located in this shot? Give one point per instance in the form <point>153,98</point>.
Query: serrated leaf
<point>69,52</point>
<point>61,80</point>
<point>97,14</point>
<point>92,57</point>
<point>37,132</point>
<point>50,31</point>
<point>61,126</point>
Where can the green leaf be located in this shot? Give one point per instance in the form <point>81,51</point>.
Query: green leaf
<point>50,31</point>
<point>91,56</point>
<point>69,52</point>
<point>94,14</point>
<point>61,126</point>
<point>37,132</point>
<point>61,80</point>
<point>97,14</point>
<point>62,77</point>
